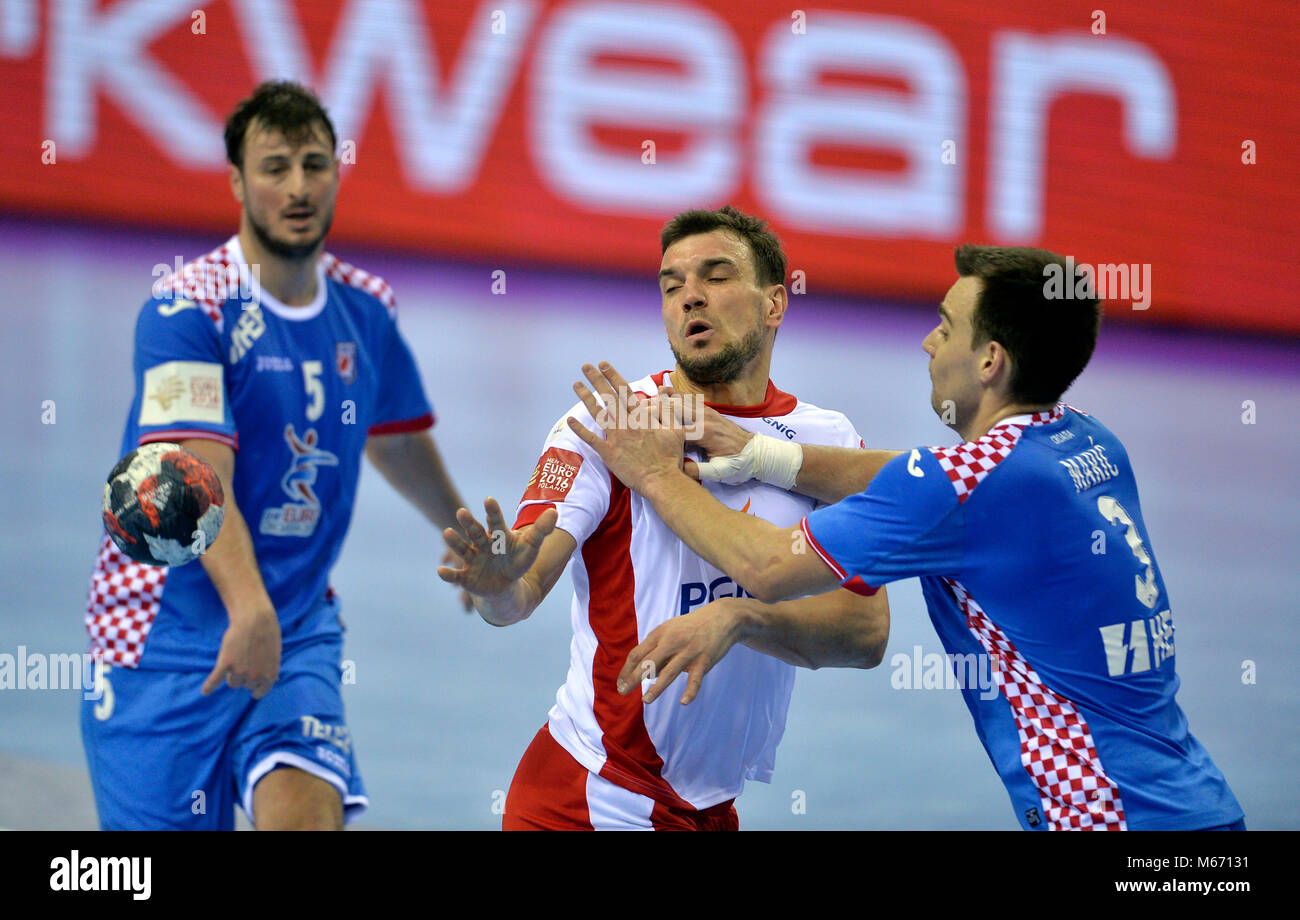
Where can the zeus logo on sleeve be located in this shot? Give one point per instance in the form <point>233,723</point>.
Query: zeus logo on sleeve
<point>554,475</point>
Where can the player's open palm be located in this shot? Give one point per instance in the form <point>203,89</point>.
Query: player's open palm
<point>493,557</point>
<point>249,655</point>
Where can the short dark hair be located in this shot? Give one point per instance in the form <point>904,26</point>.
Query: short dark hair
<point>283,105</point>
<point>1049,338</point>
<point>764,247</point>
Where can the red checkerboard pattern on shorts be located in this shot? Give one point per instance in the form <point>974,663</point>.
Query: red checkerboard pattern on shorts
<point>124,599</point>
<point>1056,746</point>
<point>349,274</point>
<point>969,462</point>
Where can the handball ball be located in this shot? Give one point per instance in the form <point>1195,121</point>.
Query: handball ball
<point>163,504</point>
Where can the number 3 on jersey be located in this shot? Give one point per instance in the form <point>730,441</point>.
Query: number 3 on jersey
<point>311,371</point>
<point>1139,645</point>
<point>1114,513</point>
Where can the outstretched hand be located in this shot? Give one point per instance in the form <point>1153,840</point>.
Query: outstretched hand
<point>493,558</point>
<point>452,561</point>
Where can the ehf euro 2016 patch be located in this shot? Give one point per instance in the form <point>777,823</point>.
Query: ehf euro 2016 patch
<point>553,476</point>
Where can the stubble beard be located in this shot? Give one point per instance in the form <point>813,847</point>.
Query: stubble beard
<point>725,366</point>
<point>292,252</point>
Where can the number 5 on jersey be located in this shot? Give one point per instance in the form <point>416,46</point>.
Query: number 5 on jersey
<point>311,371</point>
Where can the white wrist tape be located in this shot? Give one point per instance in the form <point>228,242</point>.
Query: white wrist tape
<point>767,459</point>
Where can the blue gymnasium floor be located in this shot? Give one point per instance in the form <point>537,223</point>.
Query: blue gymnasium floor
<point>443,705</point>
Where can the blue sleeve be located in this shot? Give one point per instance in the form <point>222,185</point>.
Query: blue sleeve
<point>907,523</point>
<point>402,405</point>
<point>181,390</point>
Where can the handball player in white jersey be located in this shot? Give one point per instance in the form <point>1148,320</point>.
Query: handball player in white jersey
<point>604,760</point>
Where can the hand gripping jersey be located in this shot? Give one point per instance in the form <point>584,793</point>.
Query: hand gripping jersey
<point>1033,555</point>
<point>296,391</point>
<point>630,574</point>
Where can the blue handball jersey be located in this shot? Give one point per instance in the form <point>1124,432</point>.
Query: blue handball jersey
<point>295,391</point>
<point>1033,556</point>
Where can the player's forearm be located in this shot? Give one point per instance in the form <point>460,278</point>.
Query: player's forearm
<point>745,547</point>
<point>413,466</point>
<point>835,630</point>
<point>830,474</point>
<point>232,566</point>
<point>230,561</point>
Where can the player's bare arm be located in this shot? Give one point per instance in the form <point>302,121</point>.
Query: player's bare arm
<point>508,573</point>
<point>831,474</point>
<point>411,463</point>
<point>839,629</point>
<point>250,649</point>
<point>821,471</point>
<point>772,563</point>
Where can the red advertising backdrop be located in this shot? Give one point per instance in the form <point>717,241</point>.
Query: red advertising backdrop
<point>1152,139</point>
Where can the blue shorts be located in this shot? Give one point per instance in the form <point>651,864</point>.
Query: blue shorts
<point>163,756</point>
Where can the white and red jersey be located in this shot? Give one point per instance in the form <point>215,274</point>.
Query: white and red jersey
<point>630,574</point>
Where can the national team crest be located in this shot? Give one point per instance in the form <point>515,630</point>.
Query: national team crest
<point>345,359</point>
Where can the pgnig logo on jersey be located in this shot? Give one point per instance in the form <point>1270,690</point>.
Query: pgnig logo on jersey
<point>697,593</point>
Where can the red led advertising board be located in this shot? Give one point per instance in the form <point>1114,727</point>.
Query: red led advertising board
<point>1148,138</point>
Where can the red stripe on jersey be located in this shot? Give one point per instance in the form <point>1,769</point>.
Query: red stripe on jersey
<point>854,584</point>
<point>858,586</point>
<point>402,426</point>
<point>775,402</point>
<point>530,513</point>
<point>630,756</point>
<point>197,434</point>
<point>825,556</point>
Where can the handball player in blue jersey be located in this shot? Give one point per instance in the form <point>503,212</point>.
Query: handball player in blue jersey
<point>1002,530</point>
<point>281,365</point>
